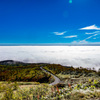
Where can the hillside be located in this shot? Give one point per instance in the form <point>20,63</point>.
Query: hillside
<point>29,81</point>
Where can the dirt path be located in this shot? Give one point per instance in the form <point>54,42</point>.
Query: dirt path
<point>57,80</point>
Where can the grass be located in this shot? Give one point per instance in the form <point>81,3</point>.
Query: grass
<point>13,91</point>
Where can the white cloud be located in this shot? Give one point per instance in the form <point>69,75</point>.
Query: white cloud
<point>94,35</point>
<point>92,27</point>
<point>59,33</point>
<point>96,32</point>
<point>72,36</point>
<point>75,42</point>
<point>84,42</point>
<point>89,33</point>
<point>80,42</point>
<point>91,36</point>
<point>85,56</point>
<point>93,32</point>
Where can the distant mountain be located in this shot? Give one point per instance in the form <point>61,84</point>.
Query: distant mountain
<point>47,44</point>
<point>10,62</point>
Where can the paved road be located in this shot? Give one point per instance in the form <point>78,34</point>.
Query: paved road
<point>57,80</point>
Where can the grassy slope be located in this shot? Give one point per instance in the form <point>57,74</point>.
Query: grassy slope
<point>81,84</point>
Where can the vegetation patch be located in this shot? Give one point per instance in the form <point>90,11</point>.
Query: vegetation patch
<point>29,82</point>
<point>23,72</point>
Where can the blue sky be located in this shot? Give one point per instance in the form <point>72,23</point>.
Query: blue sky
<point>50,21</point>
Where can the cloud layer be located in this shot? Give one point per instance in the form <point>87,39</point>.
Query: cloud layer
<point>85,56</point>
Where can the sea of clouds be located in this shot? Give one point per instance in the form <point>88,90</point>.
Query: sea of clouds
<point>76,56</point>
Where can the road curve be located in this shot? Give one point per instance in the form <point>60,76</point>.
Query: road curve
<point>57,80</point>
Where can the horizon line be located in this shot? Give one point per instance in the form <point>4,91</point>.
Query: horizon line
<point>47,44</point>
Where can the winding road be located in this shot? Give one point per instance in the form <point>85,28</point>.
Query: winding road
<point>57,80</point>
